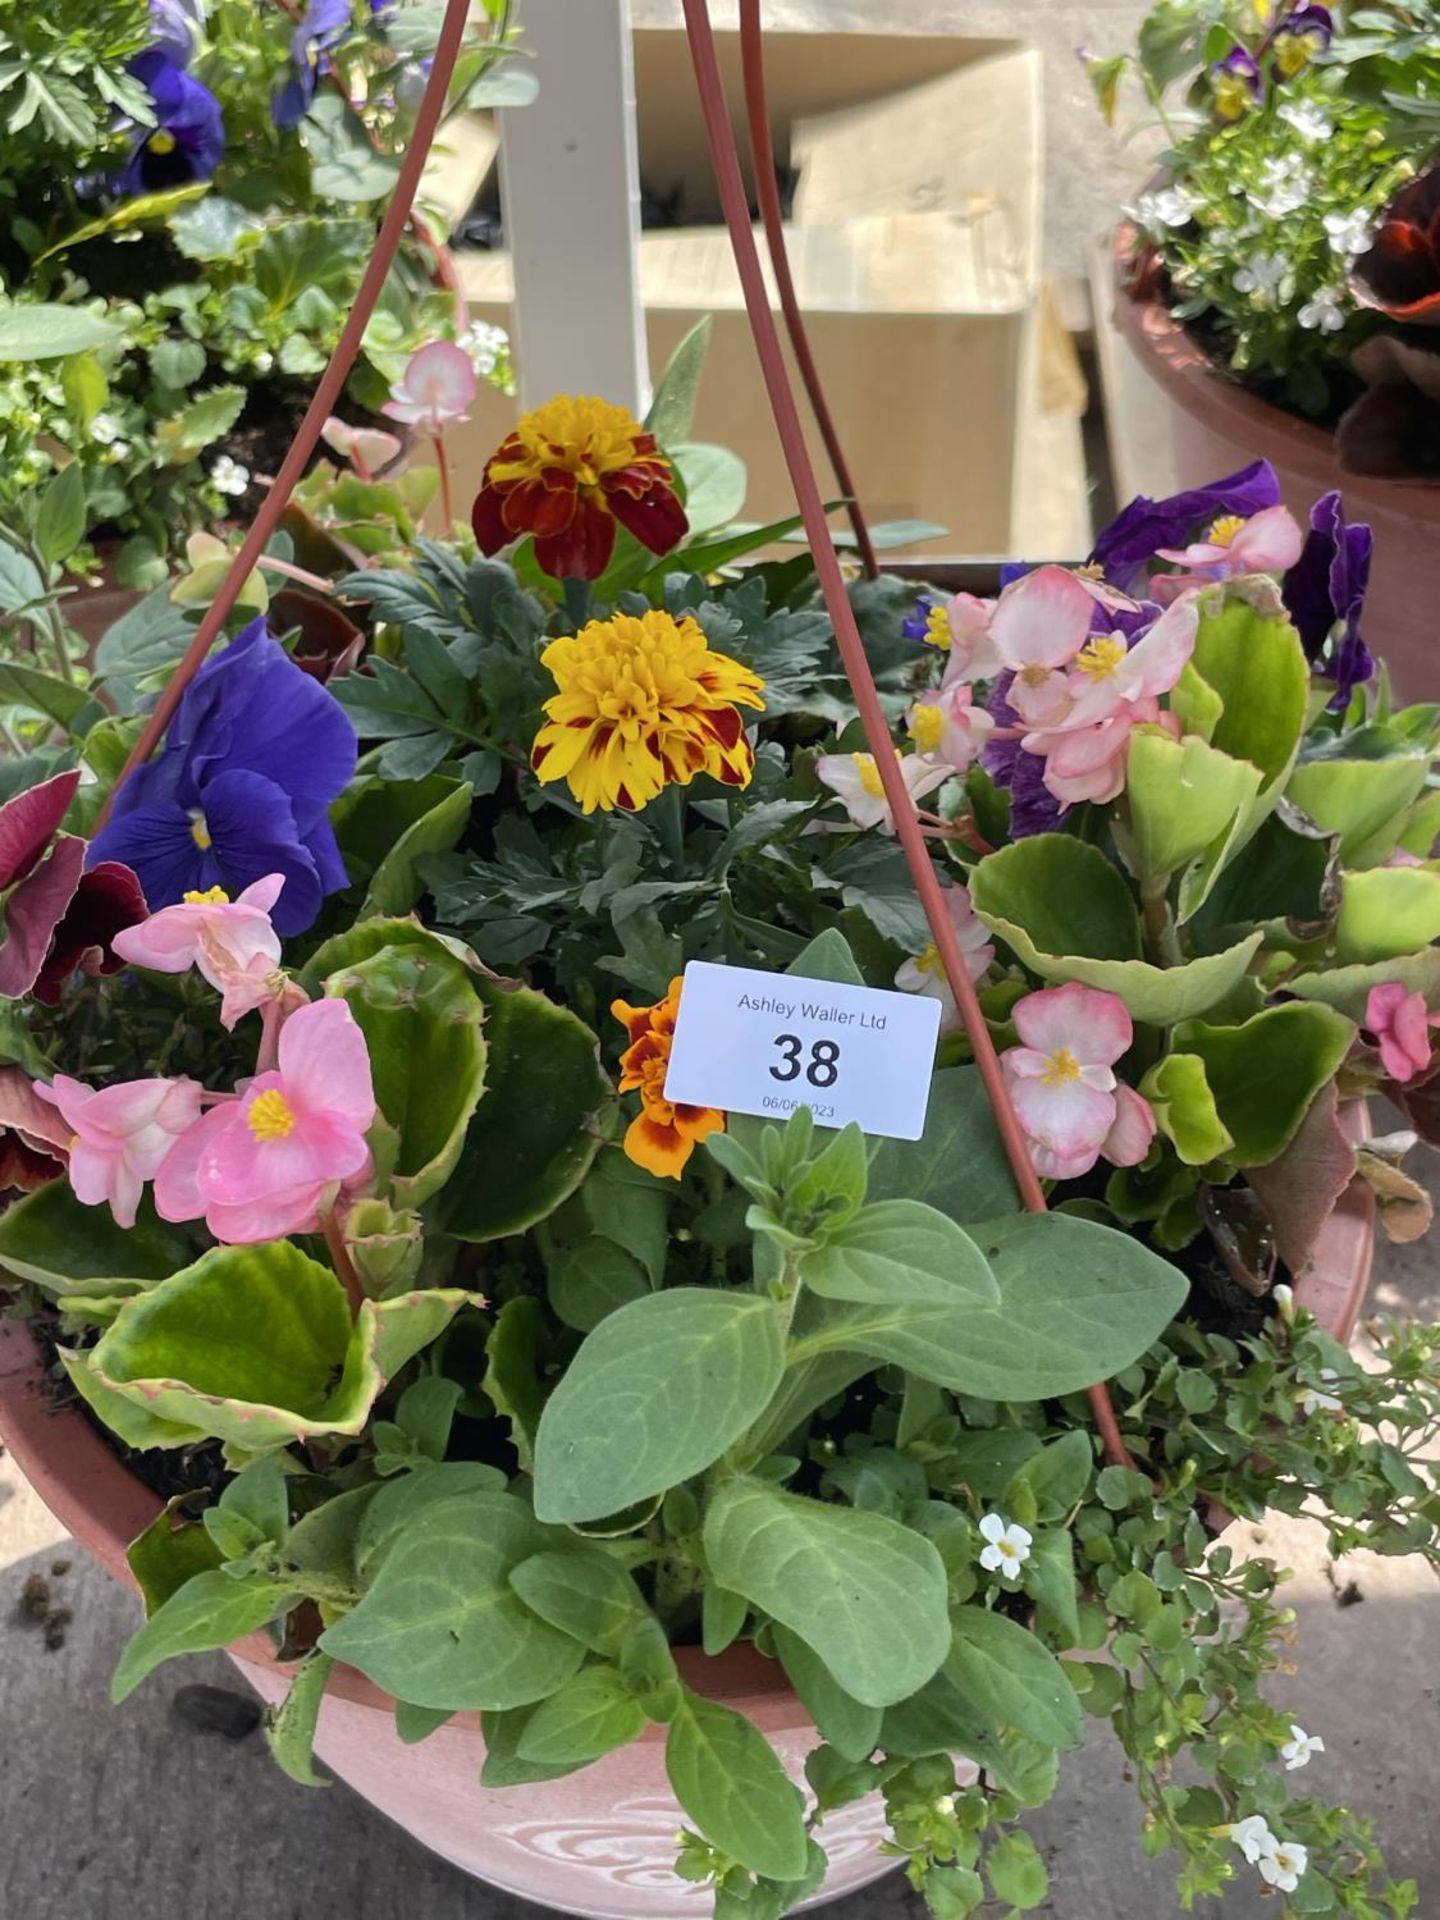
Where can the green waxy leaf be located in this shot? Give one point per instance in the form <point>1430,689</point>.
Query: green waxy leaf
<point>60,521</point>
<point>1182,796</point>
<point>166,1555</point>
<point>66,1248</point>
<point>852,1729</point>
<point>587,1595</point>
<point>1185,1110</point>
<point>896,1251</point>
<point>867,1594</point>
<point>52,332</point>
<point>290,1727</point>
<point>396,884</point>
<point>1363,800</point>
<point>656,1393</point>
<point>133,1424</point>
<point>1057,1476</point>
<point>1250,655</point>
<point>1386,913</point>
<point>1263,1075</point>
<point>725,1775</point>
<point>1011,1679</point>
<point>590,1715</point>
<point>209,1611</point>
<point>441,1625</point>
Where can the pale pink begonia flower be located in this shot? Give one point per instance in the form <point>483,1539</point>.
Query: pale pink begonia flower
<point>1268,542</point>
<point>925,972</point>
<point>272,1161</point>
<point>1401,1023</point>
<point>945,724</point>
<point>855,779</point>
<point>1041,622</point>
<point>231,942</point>
<point>436,388</point>
<point>971,654</point>
<point>122,1135</point>
<point>1063,1086</point>
<point>368,449</point>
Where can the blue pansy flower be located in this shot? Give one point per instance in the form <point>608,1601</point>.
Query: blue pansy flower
<point>175,29</point>
<point>1127,546</point>
<point>324,24</point>
<point>1325,593</point>
<point>187,141</point>
<point>255,755</point>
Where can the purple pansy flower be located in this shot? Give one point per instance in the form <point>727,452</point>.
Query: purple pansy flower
<point>256,753</point>
<point>917,625</point>
<point>187,141</point>
<point>1300,37</point>
<point>1127,546</point>
<point>324,25</point>
<point>175,29</point>
<point>1325,592</point>
<point>1033,808</point>
<point>1236,84</point>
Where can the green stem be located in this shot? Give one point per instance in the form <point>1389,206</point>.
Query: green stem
<point>1162,942</point>
<point>668,812</point>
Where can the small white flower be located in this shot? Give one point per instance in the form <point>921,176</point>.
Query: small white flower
<point>1261,275</point>
<point>1323,312</point>
<point>119,450</point>
<point>945,1806</point>
<point>228,476</point>
<point>1165,207</point>
<point>263,361</point>
<point>856,779</point>
<point>1299,1747</point>
<point>1285,185</point>
<point>1320,1399</point>
<point>1284,1298</point>
<point>1008,1546</point>
<point>484,344</point>
<point>1284,1865</point>
<point>1309,119</point>
<point>1253,1837</point>
<point>104,429</point>
<point>1348,233</point>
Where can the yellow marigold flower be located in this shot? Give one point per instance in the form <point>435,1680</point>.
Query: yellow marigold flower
<point>663,1135</point>
<point>643,703</point>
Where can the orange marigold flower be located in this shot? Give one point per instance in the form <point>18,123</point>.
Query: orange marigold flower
<point>568,472</point>
<point>663,1135</point>
<point>643,704</point>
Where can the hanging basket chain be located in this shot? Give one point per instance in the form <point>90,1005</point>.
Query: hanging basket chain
<point>327,394</point>
<point>767,193</point>
<point>725,160</point>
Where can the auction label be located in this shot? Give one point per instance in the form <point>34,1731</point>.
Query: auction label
<point>766,1043</point>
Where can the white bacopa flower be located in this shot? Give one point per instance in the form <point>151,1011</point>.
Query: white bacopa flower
<point>1284,1298</point>
<point>1348,233</point>
<point>1007,1546</point>
<point>1261,275</point>
<point>1285,185</point>
<point>104,429</point>
<point>1298,1749</point>
<point>1320,1399</point>
<point>1165,207</point>
<point>1309,119</point>
<point>1253,1837</point>
<point>228,476</point>
<point>945,1806</point>
<point>119,450</point>
<point>1284,1865</point>
<point>484,344</point>
<point>1322,312</point>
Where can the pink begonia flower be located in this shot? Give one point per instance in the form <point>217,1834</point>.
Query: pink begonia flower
<point>1401,1025</point>
<point>231,942</point>
<point>1268,542</point>
<point>856,779</point>
<point>1062,1082</point>
<point>945,724</point>
<point>435,389</point>
<point>368,449</point>
<point>971,654</point>
<point>270,1162</point>
<point>122,1135</point>
<point>1109,673</point>
<point>1040,623</point>
<point>925,973</point>
<point>1090,762</point>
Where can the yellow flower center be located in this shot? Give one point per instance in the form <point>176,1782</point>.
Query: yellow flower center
<point>1295,51</point>
<point>162,141</point>
<point>869,773</point>
<point>926,727</point>
<point>212,896</point>
<point>937,630</point>
<point>1233,96</point>
<point>271,1117</point>
<point>1035,675</point>
<point>1099,657</point>
<point>1225,529</point>
<point>929,961</point>
<point>580,435</point>
<point>1092,570</point>
<point>199,832</point>
<point>1007,1549</point>
<point>1061,1068</point>
<point>643,702</point>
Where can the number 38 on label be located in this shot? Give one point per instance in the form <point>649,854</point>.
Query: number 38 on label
<point>822,1069</point>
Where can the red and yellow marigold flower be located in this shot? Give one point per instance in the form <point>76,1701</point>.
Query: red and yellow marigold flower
<point>663,1135</point>
<point>567,474</point>
<point>643,704</point>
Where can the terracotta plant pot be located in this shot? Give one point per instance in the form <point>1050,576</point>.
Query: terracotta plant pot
<point>600,1842</point>
<point>1216,426</point>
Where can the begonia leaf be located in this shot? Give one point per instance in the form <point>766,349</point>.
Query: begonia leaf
<point>1387,912</point>
<point>1265,1073</point>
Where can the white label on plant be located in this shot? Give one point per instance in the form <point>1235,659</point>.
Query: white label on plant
<point>766,1043</point>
